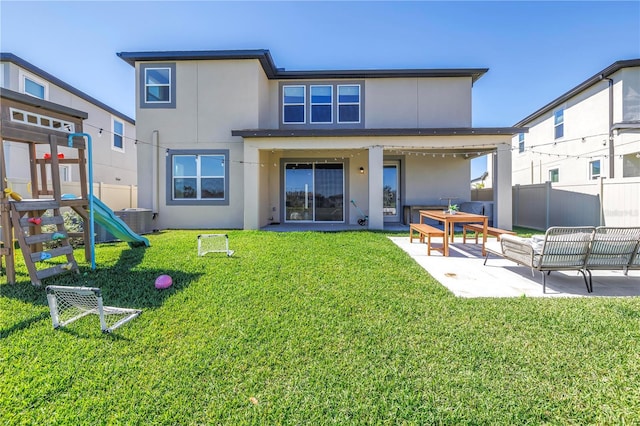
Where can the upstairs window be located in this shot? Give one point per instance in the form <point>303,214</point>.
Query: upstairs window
<point>158,86</point>
<point>293,104</point>
<point>520,142</point>
<point>594,169</point>
<point>558,123</point>
<point>554,175</point>
<point>322,104</point>
<point>118,135</point>
<point>349,103</point>
<point>33,86</point>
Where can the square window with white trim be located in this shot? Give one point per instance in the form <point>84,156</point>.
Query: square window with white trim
<point>158,85</point>
<point>33,86</point>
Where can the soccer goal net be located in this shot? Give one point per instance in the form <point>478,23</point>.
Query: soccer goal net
<point>68,304</point>
<point>213,243</point>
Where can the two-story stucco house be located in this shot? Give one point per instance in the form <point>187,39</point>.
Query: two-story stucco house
<point>228,140</point>
<point>113,133</point>
<point>589,132</point>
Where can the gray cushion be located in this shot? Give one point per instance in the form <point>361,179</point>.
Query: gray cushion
<point>472,207</point>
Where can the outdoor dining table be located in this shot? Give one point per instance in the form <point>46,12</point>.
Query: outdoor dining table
<point>450,220</point>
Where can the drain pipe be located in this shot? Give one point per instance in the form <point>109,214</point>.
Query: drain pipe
<point>92,237</point>
<point>611,147</point>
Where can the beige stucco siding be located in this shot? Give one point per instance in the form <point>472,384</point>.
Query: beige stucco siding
<point>212,98</point>
<point>417,102</point>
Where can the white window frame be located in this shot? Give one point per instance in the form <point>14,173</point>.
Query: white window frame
<point>114,134</point>
<point>556,125</point>
<point>65,169</point>
<point>359,103</point>
<point>520,143</point>
<point>312,104</point>
<point>198,200</point>
<point>557,170</point>
<point>146,100</point>
<point>593,176</point>
<point>32,119</point>
<point>304,104</point>
<point>23,76</point>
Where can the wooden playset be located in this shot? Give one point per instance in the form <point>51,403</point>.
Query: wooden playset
<point>24,217</point>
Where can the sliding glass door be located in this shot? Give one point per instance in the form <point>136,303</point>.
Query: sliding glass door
<point>314,192</point>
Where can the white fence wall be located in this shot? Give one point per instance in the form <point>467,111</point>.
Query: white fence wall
<point>611,202</point>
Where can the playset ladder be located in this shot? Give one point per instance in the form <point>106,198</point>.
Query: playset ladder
<point>27,219</point>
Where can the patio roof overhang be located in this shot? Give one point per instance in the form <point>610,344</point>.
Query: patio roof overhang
<point>449,131</point>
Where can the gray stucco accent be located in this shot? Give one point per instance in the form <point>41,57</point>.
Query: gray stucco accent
<point>190,202</point>
<point>141,84</point>
<point>324,126</point>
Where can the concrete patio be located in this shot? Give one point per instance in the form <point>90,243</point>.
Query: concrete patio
<point>464,274</point>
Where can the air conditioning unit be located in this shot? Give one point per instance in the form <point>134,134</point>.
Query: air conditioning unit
<point>139,220</point>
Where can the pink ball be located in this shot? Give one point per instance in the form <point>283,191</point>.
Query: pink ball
<point>163,281</point>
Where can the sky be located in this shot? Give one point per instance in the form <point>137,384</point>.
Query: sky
<point>535,51</point>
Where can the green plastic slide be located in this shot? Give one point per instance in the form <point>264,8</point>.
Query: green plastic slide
<point>103,215</point>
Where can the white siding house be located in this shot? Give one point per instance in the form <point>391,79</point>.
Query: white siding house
<point>589,132</point>
<point>113,133</point>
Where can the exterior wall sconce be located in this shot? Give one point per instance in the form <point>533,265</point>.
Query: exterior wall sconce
<point>361,170</point>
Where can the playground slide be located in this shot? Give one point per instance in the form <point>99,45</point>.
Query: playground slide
<point>103,215</point>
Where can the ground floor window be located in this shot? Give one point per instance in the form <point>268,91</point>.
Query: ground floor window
<point>554,175</point>
<point>594,169</point>
<point>197,177</point>
<point>314,192</point>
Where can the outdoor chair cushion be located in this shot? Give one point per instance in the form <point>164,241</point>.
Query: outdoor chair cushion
<point>472,207</point>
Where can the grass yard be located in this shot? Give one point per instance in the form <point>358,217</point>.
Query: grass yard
<point>310,328</point>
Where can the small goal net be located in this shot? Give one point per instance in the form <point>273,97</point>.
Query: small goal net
<point>68,304</point>
<point>213,243</point>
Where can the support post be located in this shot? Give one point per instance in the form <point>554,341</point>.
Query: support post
<point>376,166</point>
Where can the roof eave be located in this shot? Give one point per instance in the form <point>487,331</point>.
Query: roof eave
<point>272,72</point>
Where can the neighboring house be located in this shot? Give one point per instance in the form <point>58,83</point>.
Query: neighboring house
<point>228,140</point>
<point>591,131</point>
<point>113,133</point>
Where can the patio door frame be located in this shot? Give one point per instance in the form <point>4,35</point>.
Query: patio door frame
<point>397,217</point>
<point>313,162</point>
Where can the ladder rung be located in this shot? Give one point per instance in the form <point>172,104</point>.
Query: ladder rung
<point>56,252</point>
<point>55,270</point>
<point>46,220</point>
<point>24,206</point>
<point>42,238</point>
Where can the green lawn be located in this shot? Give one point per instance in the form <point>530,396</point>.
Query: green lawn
<point>311,328</point>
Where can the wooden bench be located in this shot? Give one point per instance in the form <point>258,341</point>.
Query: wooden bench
<point>477,228</point>
<point>426,231</point>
